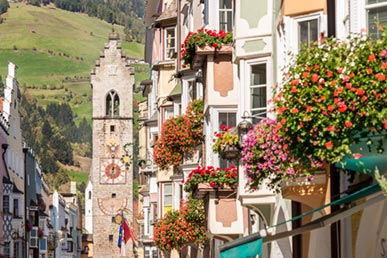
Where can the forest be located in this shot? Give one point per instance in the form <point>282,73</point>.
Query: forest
<point>128,13</point>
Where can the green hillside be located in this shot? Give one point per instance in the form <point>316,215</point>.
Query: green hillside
<point>55,51</point>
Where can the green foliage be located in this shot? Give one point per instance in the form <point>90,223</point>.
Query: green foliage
<point>4,5</point>
<point>382,181</point>
<point>51,133</point>
<point>125,13</point>
<point>135,190</point>
<point>79,177</point>
<point>61,178</point>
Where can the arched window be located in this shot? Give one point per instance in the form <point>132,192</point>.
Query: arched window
<point>112,104</point>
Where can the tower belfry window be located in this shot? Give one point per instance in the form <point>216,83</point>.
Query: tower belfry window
<point>112,104</point>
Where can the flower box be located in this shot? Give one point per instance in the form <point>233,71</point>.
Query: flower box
<point>204,42</point>
<point>202,180</point>
<point>205,189</point>
<point>202,52</point>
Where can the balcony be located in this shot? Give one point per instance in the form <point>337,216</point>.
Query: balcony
<point>255,199</point>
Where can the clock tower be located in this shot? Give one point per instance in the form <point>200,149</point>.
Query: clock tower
<point>111,176</point>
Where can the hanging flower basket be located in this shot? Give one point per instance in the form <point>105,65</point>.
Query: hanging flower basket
<point>334,88</point>
<point>229,152</point>
<point>267,158</point>
<point>226,143</point>
<point>179,136</point>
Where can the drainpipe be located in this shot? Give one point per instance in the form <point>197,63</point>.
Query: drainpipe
<point>335,175</point>
<point>25,245</point>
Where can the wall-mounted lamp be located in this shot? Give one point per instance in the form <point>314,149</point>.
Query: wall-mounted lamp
<point>142,163</point>
<point>244,127</point>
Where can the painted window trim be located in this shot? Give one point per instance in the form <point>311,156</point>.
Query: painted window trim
<point>294,42</point>
<point>166,49</point>
<point>364,7</point>
<point>247,75</point>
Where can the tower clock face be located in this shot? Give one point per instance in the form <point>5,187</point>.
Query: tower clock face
<point>112,171</point>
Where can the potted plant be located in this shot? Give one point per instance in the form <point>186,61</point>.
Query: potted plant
<point>201,38</point>
<point>226,143</point>
<point>332,92</point>
<point>40,233</point>
<point>29,225</point>
<point>211,178</point>
<point>180,227</point>
<point>179,136</point>
<point>266,157</point>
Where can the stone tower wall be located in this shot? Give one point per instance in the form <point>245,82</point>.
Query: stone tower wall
<point>110,135</point>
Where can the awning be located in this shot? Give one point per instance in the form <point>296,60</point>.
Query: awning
<point>243,249</point>
<point>255,240</point>
<point>368,153</point>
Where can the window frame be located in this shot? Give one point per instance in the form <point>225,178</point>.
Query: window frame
<point>262,111</point>
<point>299,40</point>
<point>16,208</point>
<point>166,208</point>
<point>112,107</point>
<point>223,25</point>
<point>294,30</point>
<point>6,208</point>
<point>367,8</point>
<point>167,46</point>
<point>216,128</point>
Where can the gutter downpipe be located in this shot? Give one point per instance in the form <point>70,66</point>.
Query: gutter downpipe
<point>334,175</point>
<point>25,246</point>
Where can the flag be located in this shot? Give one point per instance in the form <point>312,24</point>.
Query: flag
<point>128,234</point>
<point>121,244</point>
<point>120,237</point>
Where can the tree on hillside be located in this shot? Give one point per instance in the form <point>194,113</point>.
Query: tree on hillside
<point>84,131</point>
<point>62,149</point>
<point>4,5</point>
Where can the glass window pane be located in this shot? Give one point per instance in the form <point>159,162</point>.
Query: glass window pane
<point>228,119</point>
<point>376,15</point>
<point>258,97</point>
<point>308,32</point>
<point>258,74</point>
<point>225,4</point>
<point>168,188</point>
<point>167,200</point>
<point>376,1</point>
